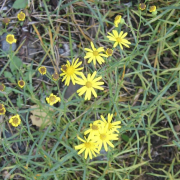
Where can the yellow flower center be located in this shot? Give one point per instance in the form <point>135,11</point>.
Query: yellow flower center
<point>103,136</point>
<point>95,53</point>
<point>94,127</point>
<point>109,51</point>
<point>55,76</point>
<point>118,39</point>
<point>64,67</point>
<point>21,15</point>
<point>42,69</point>
<point>2,111</point>
<point>88,84</point>
<point>15,120</point>
<point>87,144</point>
<point>21,83</point>
<point>70,70</point>
<point>10,38</point>
<point>142,6</point>
<point>52,99</point>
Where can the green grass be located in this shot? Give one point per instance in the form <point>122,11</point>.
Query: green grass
<point>142,88</point>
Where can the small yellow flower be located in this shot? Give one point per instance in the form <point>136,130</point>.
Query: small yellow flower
<point>70,71</point>
<point>21,16</point>
<point>42,70</point>
<point>89,84</point>
<point>21,83</point>
<point>105,137</point>
<point>10,39</point>
<point>95,54</point>
<point>109,52</point>
<point>15,120</point>
<point>88,146</point>
<point>142,6</point>
<point>112,126</point>
<point>117,20</point>
<point>94,129</point>
<point>55,76</point>
<point>152,9</point>
<point>118,38</point>
<point>52,99</point>
<point>2,87</point>
<point>2,109</point>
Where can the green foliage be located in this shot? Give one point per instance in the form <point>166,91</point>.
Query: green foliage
<point>20,4</point>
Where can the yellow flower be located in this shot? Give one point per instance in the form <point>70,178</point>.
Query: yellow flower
<point>2,109</point>
<point>42,70</point>
<point>10,39</point>
<point>21,83</point>
<point>119,39</point>
<point>112,126</point>
<point>109,52</point>
<point>117,20</point>
<point>2,87</point>
<point>21,16</point>
<point>142,6</point>
<point>152,9</point>
<point>15,120</point>
<point>95,55</point>
<point>70,71</point>
<point>89,84</point>
<point>105,137</point>
<point>52,99</point>
<point>55,76</point>
<point>88,146</point>
<point>94,129</point>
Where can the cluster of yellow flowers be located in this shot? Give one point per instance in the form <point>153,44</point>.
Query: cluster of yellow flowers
<point>72,72</point>
<point>101,133</point>
<point>152,9</point>
<point>10,37</point>
<point>14,120</point>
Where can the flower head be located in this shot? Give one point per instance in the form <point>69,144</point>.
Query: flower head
<point>142,6</point>
<point>117,20</point>
<point>42,70</point>
<point>70,71</point>
<point>94,129</point>
<point>118,38</point>
<point>2,109</point>
<point>89,84</point>
<point>21,83</point>
<point>6,21</point>
<point>2,87</point>
<point>95,54</point>
<point>10,39</point>
<point>52,99</point>
<point>112,126</point>
<point>152,9</point>
<point>109,52</point>
<point>55,76</point>
<point>88,146</point>
<point>104,137</point>
<point>21,16</point>
<point>15,120</point>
